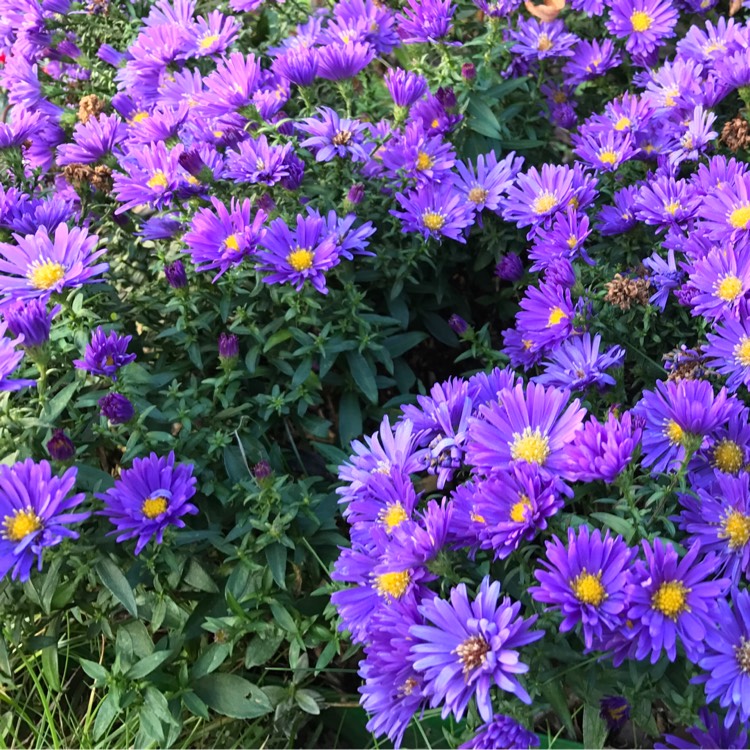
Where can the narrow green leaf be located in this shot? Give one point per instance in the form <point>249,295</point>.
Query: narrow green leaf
<point>93,670</point>
<point>276,557</point>
<point>57,403</point>
<point>233,696</point>
<point>145,666</point>
<point>617,524</point>
<point>363,372</point>
<point>594,728</point>
<point>283,618</point>
<point>350,418</point>
<point>306,701</point>
<point>111,576</point>
<point>105,715</point>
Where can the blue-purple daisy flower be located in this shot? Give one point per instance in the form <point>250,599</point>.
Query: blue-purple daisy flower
<point>105,354</point>
<point>502,731</point>
<point>332,136</point>
<point>435,211</point>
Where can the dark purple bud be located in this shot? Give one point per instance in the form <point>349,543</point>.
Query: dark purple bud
<point>262,470</point>
<point>192,162</point>
<point>116,408</point>
<point>296,168</point>
<point>560,272</point>
<point>30,319</point>
<point>457,324</point>
<point>175,273</point>
<point>266,203</point>
<point>615,710</point>
<point>510,268</point>
<point>685,294</point>
<point>446,96</point>
<point>60,446</point>
<point>356,194</point>
<point>229,346</point>
<point>468,71</point>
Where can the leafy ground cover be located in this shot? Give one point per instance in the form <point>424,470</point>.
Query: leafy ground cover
<point>374,374</point>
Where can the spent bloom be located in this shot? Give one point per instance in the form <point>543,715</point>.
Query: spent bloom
<point>34,507</point>
<point>148,498</point>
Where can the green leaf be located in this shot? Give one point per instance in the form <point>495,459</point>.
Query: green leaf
<point>55,405</point>
<point>302,373</point>
<point>617,524</point>
<point>594,728</point>
<point>306,700</point>
<point>440,329</point>
<point>231,695</point>
<point>363,372</point>
<point>276,556</point>
<point>111,576</point>
<point>145,666</point>
<point>277,338</point>
<point>105,715</point>
<point>93,670</point>
<point>350,418</point>
<point>197,577</point>
<point>553,692</point>
<point>403,342</point>
<point>283,618</point>
<point>210,660</point>
<point>260,650</point>
<point>483,120</point>
<point>51,667</point>
<point>195,705</point>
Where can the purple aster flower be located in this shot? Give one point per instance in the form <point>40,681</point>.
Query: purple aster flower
<point>560,272</point>
<point>378,21</point>
<point>39,265</point>
<point>563,239</point>
<point>298,65</point>
<point>470,646</point>
<point>30,319</point>
<point>719,518</point>
<point>603,450</point>
<point>615,710</point>
<point>228,346</point>
<point>620,217</point>
<point>349,242</point>
<point>435,211</point>
<point>419,541</point>
<point>514,507</point>
<point>152,177</point>
<point>692,141</point>
<point>726,210</point>
<point>160,227</point>
<point>94,139</point>
<point>212,35</point>
<point>392,690</point>
<point>257,162</point>
<point>231,86</point>
<point>665,202</point>
<point>339,61</point>
<point>292,257</point>
<point>727,659</point>
<point>676,414</point>
<point>434,116</point>
<point>425,21</point>
<point>713,42</point>
<point>149,497</point>
<point>486,386</point>
<point>645,23</point>
<point>332,136</point>
<point>60,447</point>
<point>604,151</point>
<point>416,155</point>
<point>539,40</point>
<point>222,238</point>
<point>729,344</point>
<point>509,268</point>
<point>577,364</point>
<point>546,316</point>
<point>722,281</point>
<point>105,354</point>
<point>530,426</point>
<point>497,8</point>
<point>591,59</point>
<point>175,274</point>
<point>485,184</point>
<point>10,358</point>
<point>710,733</point>
<point>116,408</point>
<point>586,582</point>
<point>535,197</point>
<point>664,276</point>
<point>405,86</point>
<point>34,505</point>
<point>501,731</point>
<point>671,598</point>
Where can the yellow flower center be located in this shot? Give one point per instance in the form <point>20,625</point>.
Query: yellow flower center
<point>671,599</point>
<point>159,180</point>
<point>342,138</point>
<point>544,202</point>
<point>674,432</point>
<point>728,456</point>
<point>139,117</point>
<point>472,653</point>
<point>672,208</point>
<point>424,161</point>
<point>736,529</point>
<point>208,41</point>
<point>435,123</point>
<point>559,97</point>
<point>641,21</point>
<point>519,509</point>
<point>740,217</point>
<point>393,585</point>
<point>607,157</point>
<point>622,123</point>
<point>230,243</point>
<point>154,506</point>
<point>729,288</point>
<point>477,518</point>
<point>544,43</point>
<point>742,351</point>
<point>530,446</point>
<point>478,195</point>
<point>393,516</point>
<point>21,524</point>
<point>572,241</point>
<point>300,259</point>
<point>433,221</point>
<point>556,314</point>
<point>45,274</point>
<point>588,588</point>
